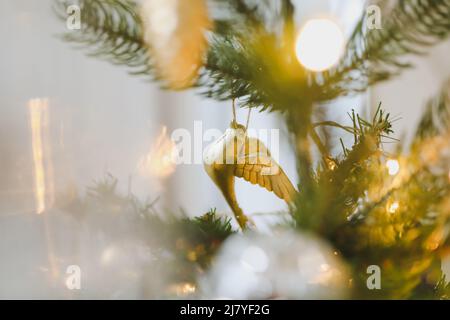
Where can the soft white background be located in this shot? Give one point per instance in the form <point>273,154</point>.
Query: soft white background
<point>103,120</point>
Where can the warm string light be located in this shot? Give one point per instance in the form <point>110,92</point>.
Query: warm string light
<point>182,289</point>
<point>393,207</point>
<point>320,44</point>
<point>159,162</point>
<point>393,167</point>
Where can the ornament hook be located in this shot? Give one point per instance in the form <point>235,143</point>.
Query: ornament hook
<point>248,118</point>
<point>234,109</point>
<point>234,122</point>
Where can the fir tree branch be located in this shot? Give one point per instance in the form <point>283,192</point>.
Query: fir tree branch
<point>337,188</point>
<point>436,118</point>
<point>379,54</point>
<point>442,289</point>
<point>246,60</point>
<point>110,30</point>
<point>192,241</point>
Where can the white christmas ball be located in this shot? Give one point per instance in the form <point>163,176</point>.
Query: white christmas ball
<point>285,265</point>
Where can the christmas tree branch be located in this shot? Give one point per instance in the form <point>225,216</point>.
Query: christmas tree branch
<point>436,119</point>
<point>111,30</point>
<point>398,222</point>
<point>375,55</point>
<point>192,242</point>
<point>372,56</point>
<point>246,60</point>
<point>336,189</point>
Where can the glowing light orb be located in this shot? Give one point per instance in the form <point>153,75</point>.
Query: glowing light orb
<point>320,44</point>
<point>159,162</point>
<point>393,167</point>
<point>393,207</point>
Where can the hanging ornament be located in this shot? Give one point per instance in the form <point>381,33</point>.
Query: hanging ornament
<point>235,154</point>
<point>175,33</point>
<point>285,265</point>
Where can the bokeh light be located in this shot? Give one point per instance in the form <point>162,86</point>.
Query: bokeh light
<point>319,44</point>
<point>393,167</point>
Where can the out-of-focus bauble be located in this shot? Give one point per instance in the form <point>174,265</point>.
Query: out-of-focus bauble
<point>175,31</point>
<point>284,265</point>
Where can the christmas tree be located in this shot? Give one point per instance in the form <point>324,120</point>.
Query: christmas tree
<point>363,224</point>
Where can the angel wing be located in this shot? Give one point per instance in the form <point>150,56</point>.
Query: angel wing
<point>256,165</point>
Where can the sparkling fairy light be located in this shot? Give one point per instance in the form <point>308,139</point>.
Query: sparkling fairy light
<point>183,289</point>
<point>393,207</point>
<point>320,44</point>
<point>158,162</point>
<point>393,167</point>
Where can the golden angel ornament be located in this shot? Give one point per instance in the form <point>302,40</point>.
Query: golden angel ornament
<point>235,154</point>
